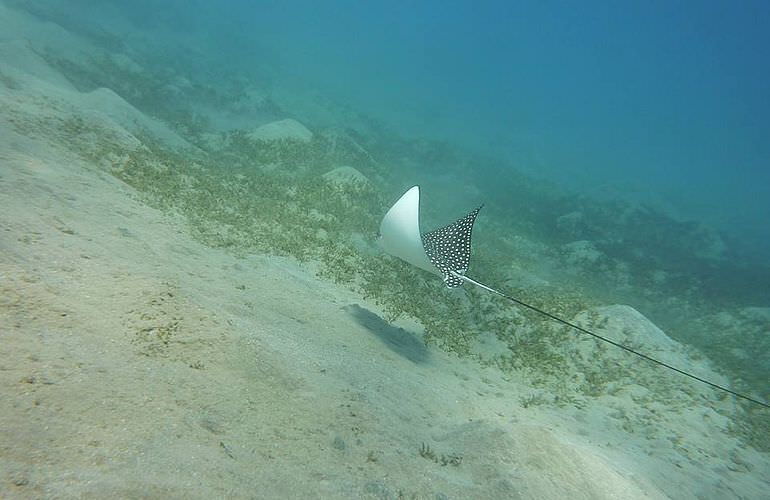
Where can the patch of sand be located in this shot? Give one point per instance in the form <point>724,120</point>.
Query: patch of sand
<point>135,362</point>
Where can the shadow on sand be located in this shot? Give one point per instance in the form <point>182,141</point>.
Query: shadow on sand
<point>396,339</point>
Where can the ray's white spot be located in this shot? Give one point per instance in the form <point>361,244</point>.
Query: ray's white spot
<point>449,248</point>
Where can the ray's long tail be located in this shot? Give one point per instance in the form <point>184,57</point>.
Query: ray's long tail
<point>609,341</point>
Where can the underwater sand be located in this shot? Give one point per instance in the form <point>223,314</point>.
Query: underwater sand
<point>136,362</point>
<point>264,382</point>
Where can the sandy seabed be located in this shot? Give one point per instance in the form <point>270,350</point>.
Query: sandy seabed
<point>137,363</point>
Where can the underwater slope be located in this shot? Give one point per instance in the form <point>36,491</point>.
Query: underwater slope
<point>139,361</point>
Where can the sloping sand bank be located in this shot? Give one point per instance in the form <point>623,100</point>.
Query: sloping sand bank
<point>137,363</point>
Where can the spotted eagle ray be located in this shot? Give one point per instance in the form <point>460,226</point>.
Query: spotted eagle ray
<point>447,252</point>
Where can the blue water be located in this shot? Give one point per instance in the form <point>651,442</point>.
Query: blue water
<point>621,151</point>
<point>660,101</point>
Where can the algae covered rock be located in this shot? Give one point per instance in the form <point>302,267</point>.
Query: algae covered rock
<point>347,178</point>
<point>288,129</point>
<point>582,252</point>
<point>572,224</point>
<point>628,325</point>
<point>214,141</point>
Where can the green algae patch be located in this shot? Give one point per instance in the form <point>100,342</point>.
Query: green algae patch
<point>272,197</point>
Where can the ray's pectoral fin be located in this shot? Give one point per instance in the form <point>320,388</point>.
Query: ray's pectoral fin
<point>449,248</point>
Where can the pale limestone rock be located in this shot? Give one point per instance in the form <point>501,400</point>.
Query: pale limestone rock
<point>288,129</point>
<point>345,177</point>
<point>582,252</point>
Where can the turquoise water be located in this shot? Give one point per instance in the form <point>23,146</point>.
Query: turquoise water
<point>620,150</point>
<point>640,127</point>
<point>655,102</point>
<point>669,99</point>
